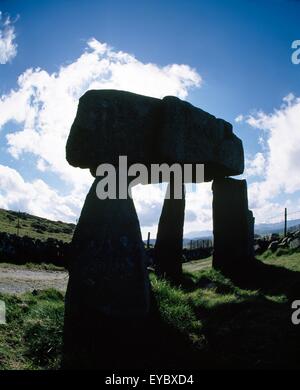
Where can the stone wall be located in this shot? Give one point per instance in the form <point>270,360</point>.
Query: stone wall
<point>21,250</point>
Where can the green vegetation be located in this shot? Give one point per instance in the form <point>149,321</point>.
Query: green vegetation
<point>268,254</point>
<point>208,322</point>
<point>36,227</point>
<point>32,337</point>
<point>291,261</point>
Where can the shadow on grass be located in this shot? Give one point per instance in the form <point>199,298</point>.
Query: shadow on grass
<point>149,344</point>
<point>242,322</point>
<point>255,333</point>
<point>169,348</point>
<point>253,330</point>
<point>267,278</point>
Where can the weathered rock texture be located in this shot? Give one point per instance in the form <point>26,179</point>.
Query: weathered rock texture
<point>168,245</point>
<point>274,241</point>
<point>111,123</point>
<point>191,135</point>
<point>233,226</point>
<point>107,298</point>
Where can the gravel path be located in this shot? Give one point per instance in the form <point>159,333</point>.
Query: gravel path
<point>15,280</point>
<point>197,265</point>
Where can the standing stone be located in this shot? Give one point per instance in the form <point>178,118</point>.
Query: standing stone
<point>107,300</point>
<point>168,245</point>
<point>233,225</point>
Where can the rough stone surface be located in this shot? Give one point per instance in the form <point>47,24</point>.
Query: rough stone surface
<point>110,123</point>
<point>191,135</point>
<point>168,245</point>
<point>107,298</point>
<point>295,243</point>
<point>273,246</point>
<point>233,226</point>
<point>275,241</point>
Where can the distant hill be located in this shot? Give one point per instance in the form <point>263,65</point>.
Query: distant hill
<point>197,235</point>
<point>35,227</point>
<point>261,229</point>
<point>267,228</point>
<point>43,228</point>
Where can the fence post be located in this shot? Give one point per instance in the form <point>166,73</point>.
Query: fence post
<point>285,222</point>
<point>18,223</point>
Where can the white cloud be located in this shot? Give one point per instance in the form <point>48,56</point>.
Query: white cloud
<point>8,48</point>
<point>256,165</point>
<point>148,200</point>
<point>36,197</point>
<point>278,164</point>
<point>198,212</point>
<point>199,203</point>
<point>282,129</point>
<point>45,104</point>
<point>239,118</point>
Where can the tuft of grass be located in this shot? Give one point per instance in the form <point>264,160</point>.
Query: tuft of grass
<point>268,254</point>
<point>175,306</point>
<point>32,337</point>
<point>43,334</point>
<point>290,261</point>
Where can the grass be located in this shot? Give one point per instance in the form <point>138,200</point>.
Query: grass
<point>286,252</point>
<point>32,337</point>
<point>175,307</point>
<point>208,322</point>
<point>291,262</point>
<point>35,227</point>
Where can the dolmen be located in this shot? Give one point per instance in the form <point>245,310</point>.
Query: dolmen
<point>109,300</point>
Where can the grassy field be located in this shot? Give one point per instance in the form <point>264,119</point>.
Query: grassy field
<point>32,338</point>
<point>209,322</point>
<point>36,227</point>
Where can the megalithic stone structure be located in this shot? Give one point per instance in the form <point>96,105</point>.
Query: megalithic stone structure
<point>107,300</point>
<point>233,226</point>
<point>168,244</point>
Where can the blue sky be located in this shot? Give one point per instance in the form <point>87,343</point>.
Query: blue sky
<point>240,53</point>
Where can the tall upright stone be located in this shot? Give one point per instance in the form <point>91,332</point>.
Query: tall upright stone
<point>233,226</point>
<point>168,245</point>
<point>107,300</point>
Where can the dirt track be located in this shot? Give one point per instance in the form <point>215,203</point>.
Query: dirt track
<point>197,265</point>
<point>16,280</point>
